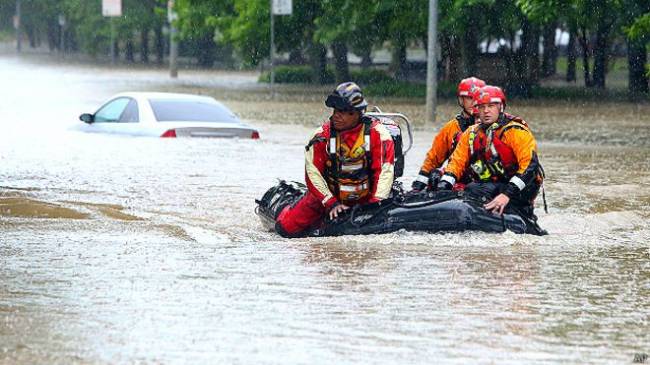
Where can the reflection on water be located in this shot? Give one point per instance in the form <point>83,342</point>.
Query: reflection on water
<point>120,250</point>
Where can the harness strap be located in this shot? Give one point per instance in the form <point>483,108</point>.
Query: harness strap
<point>313,141</point>
<point>472,137</point>
<point>544,199</point>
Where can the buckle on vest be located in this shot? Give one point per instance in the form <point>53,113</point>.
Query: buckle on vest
<point>481,170</point>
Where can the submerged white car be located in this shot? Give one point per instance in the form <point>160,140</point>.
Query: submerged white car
<point>166,115</point>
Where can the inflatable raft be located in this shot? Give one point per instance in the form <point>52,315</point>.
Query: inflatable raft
<point>427,211</point>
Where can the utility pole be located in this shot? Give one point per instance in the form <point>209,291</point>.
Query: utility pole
<point>17,24</point>
<point>432,62</point>
<point>272,52</point>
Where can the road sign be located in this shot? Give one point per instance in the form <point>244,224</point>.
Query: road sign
<point>62,20</point>
<point>112,7</point>
<point>282,7</point>
<point>16,21</point>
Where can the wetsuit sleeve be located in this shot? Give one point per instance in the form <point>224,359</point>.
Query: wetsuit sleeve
<point>440,147</point>
<point>315,162</point>
<point>524,147</point>
<point>459,159</point>
<point>382,166</point>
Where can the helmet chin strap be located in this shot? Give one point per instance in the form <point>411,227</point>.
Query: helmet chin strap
<point>462,107</point>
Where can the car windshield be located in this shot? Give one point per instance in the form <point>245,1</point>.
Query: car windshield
<point>178,110</point>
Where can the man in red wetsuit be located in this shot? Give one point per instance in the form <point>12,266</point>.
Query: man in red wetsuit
<point>348,161</point>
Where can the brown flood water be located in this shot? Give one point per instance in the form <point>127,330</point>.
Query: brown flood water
<point>143,250</point>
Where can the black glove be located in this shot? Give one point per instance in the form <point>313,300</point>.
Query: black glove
<point>444,185</point>
<point>418,185</point>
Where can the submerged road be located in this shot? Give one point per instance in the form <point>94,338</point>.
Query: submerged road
<point>124,250</point>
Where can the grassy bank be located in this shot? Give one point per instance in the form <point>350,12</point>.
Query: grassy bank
<point>378,83</point>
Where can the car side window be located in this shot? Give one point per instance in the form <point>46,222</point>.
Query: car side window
<point>111,112</point>
<point>130,114</point>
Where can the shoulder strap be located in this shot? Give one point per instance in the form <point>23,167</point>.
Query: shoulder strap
<point>313,141</point>
<point>513,125</point>
<point>463,122</point>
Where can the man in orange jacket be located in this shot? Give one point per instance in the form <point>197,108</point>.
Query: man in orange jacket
<point>348,161</point>
<point>501,152</point>
<point>446,140</point>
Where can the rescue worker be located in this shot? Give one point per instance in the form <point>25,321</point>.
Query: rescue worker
<point>502,155</point>
<point>348,161</point>
<point>446,140</point>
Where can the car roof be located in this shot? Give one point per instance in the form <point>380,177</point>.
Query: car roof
<point>161,95</point>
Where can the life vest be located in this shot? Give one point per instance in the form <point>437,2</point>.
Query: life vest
<point>348,168</point>
<point>490,158</point>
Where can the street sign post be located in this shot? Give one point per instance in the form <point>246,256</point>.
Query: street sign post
<point>17,25</point>
<point>173,42</point>
<point>112,8</point>
<point>62,39</point>
<point>278,7</point>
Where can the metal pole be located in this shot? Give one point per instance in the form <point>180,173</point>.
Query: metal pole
<point>18,26</point>
<point>432,64</point>
<point>173,52</point>
<point>272,54</point>
<point>113,60</point>
<point>62,46</point>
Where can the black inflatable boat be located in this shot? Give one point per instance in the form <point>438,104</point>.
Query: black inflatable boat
<point>428,211</point>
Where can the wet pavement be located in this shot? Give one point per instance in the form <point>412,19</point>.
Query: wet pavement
<point>144,250</point>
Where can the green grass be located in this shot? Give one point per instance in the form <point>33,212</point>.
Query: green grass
<point>303,75</point>
<point>378,83</point>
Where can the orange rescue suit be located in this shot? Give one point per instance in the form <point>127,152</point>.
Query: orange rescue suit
<point>505,151</point>
<point>444,143</point>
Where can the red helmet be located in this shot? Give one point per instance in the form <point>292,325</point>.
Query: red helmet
<point>469,86</point>
<point>490,94</point>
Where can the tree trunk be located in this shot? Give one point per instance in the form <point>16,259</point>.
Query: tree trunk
<point>116,49</point>
<point>584,42</point>
<point>295,56</point>
<point>550,50</point>
<point>341,66</point>
<point>129,53</point>
<point>520,82</point>
<point>144,45</point>
<point>366,58</point>
<point>317,54</point>
<point>159,44</point>
<point>571,57</point>
<point>601,55</point>
<point>455,59</point>
<point>53,34</point>
<point>398,59</point>
<point>533,52</point>
<point>206,51</point>
<point>636,60</point>
<point>470,51</point>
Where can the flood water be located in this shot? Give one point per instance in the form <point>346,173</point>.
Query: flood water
<point>145,250</point>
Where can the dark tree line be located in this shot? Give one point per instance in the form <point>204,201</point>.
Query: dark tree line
<point>236,32</point>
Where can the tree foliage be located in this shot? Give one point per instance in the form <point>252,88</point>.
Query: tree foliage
<point>217,29</point>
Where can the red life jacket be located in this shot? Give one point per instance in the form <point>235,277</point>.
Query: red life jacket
<point>490,158</point>
<point>348,168</point>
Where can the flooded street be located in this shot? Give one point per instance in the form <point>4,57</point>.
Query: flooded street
<point>116,249</point>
